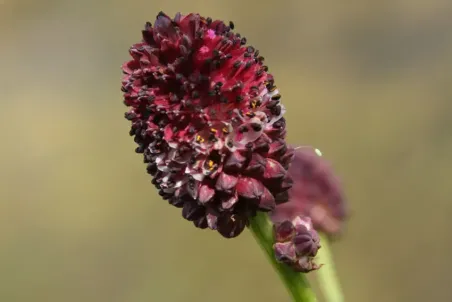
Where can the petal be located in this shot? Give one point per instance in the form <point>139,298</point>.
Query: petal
<point>250,188</point>
<point>286,184</point>
<point>281,197</point>
<point>287,158</point>
<point>205,194</point>
<point>192,211</point>
<point>230,225</point>
<point>305,245</point>
<point>212,221</point>
<point>277,147</point>
<point>257,164</point>
<point>267,201</point>
<point>175,201</point>
<point>230,202</point>
<point>226,182</point>
<point>284,231</point>
<point>201,222</point>
<point>274,170</point>
<point>193,188</point>
<point>285,252</point>
<point>234,162</point>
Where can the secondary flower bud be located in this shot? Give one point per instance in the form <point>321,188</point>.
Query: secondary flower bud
<point>208,119</point>
<point>296,243</point>
<point>316,193</point>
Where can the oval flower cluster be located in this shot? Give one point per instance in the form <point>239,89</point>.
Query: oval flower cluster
<point>208,118</point>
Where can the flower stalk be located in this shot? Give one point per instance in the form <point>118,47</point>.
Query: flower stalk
<point>296,283</point>
<point>327,277</point>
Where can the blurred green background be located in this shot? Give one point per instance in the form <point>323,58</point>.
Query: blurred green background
<point>367,82</point>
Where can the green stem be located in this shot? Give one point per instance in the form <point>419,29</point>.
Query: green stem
<point>328,281</point>
<point>296,283</point>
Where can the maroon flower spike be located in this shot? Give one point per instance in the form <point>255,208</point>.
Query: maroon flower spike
<point>207,117</point>
<point>316,193</point>
<point>296,244</point>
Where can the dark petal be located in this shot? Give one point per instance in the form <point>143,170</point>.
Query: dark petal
<point>256,165</point>
<point>277,147</point>
<point>226,182</point>
<point>212,221</point>
<point>281,197</point>
<point>192,211</point>
<point>285,252</point>
<point>305,245</point>
<point>205,194</point>
<point>164,26</point>
<point>267,201</point>
<point>303,225</point>
<point>234,162</point>
<point>284,231</point>
<point>152,168</point>
<point>262,145</point>
<point>287,158</point>
<point>177,17</point>
<point>201,222</point>
<point>192,187</point>
<point>250,188</point>
<point>230,225</point>
<point>286,184</point>
<point>148,36</point>
<point>274,170</point>
<point>177,202</point>
<point>183,194</point>
<point>229,202</point>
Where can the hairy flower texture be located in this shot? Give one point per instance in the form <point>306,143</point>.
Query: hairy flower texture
<point>296,243</point>
<point>316,193</point>
<point>207,117</point>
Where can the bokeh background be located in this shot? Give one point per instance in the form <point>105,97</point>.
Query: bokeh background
<point>367,82</point>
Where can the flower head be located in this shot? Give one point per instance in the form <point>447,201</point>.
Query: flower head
<point>208,119</point>
<point>296,243</point>
<point>316,193</point>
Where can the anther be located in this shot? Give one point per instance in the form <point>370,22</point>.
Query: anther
<point>243,129</point>
<point>254,104</point>
<point>272,104</point>
<point>276,97</point>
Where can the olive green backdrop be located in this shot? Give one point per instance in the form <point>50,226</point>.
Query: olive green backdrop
<point>367,82</point>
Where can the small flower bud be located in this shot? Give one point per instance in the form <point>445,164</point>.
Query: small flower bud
<point>296,244</point>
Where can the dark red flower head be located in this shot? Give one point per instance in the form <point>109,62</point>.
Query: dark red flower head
<point>316,193</point>
<point>207,117</point>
